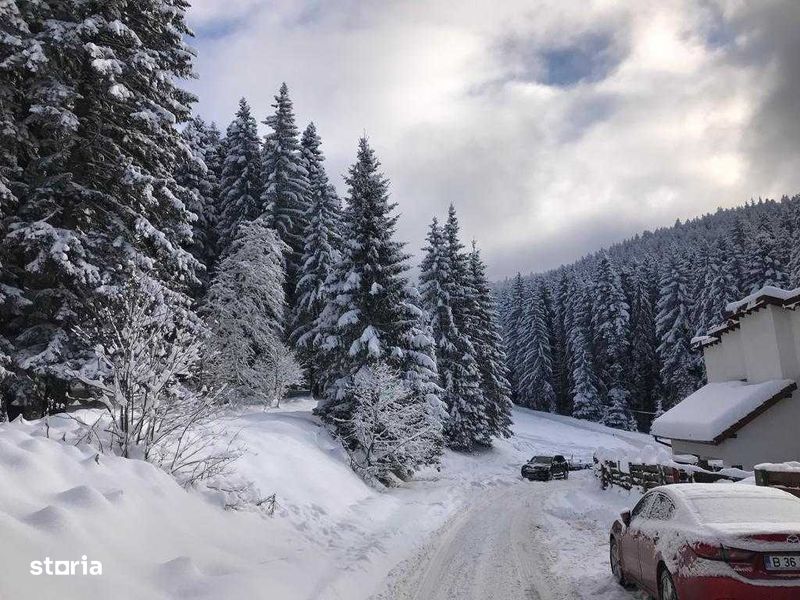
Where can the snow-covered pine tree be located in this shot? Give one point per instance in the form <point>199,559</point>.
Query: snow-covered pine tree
<point>464,304</point>
<point>514,316</point>
<point>462,298</point>
<point>610,321</point>
<point>735,264</point>
<point>488,344</point>
<point>20,57</point>
<point>536,379</point>
<point>459,377</point>
<point>196,173</point>
<point>586,401</point>
<point>763,264</point>
<point>644,365</point>
<point>716,287</point>
<point>617,412</point>
<point>99,194</point>
<point>674,331</point>
<point>321,244</point>
<point>285,185</point>
<point>240,181</point>
<point>561,375</point>
<point>794,252</point>
<point>372,315</point>
<point>244,313</point>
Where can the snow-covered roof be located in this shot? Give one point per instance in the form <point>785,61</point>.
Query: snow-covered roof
<point>766,293</point>
<point>703,340</point>
<point>719,409</point>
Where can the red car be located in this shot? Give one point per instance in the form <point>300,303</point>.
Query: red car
<point>711,541</point>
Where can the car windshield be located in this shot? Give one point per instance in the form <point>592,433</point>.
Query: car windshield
<point>747,509</point>
<point>542,460</point>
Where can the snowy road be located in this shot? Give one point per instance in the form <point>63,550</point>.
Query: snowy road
<point>494,549</point>
<point>524,541</point>
<point>518,540</point>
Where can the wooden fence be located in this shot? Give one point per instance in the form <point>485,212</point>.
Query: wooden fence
<point>646,477</point>
<point>788,481</point>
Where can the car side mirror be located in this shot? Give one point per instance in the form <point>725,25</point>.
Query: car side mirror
<point>626,518</point>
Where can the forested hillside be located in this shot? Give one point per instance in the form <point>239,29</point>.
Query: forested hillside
<point>167,269</point>
<point>607,338</point>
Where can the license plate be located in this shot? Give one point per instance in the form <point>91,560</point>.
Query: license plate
<point>782,562</point>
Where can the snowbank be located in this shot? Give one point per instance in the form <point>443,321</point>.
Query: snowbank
<point>153,539</point>
<point>714,408</point>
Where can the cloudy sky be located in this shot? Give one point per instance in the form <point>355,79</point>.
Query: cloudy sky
<point>556,127</point>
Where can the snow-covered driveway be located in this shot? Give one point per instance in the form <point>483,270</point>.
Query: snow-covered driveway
<point>521,541</point>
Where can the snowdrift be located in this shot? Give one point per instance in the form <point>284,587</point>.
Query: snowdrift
<point>155,539</point>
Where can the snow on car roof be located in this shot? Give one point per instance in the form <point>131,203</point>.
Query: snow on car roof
<point>717,409</point>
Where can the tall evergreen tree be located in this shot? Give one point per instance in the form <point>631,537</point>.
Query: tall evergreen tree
<point>586,401</point>
<point>372,315</point>
<point>459,377</point>
<point>561,375</point>
<point>536,381</point>
<point>763,265</point>
<point>196,173</point>
<point>322,241</point>
<point>716,288</point>
<point>674,332</point>
<point>98,197</point>
<point>20,59</point>
<point>644,364</point>
<point>285,185</point>
<point>488,343</point>
<point>794,252</point>
<point>247,358</point>
<point>240,180</point>
<point>513,327</point>
<point>610,320</point>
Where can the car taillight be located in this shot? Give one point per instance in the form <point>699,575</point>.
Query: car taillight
<point>735,555</point>
<point>708,551</point>
<point>722,553</point>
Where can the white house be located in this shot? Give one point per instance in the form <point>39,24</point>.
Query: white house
<point>749,412</point>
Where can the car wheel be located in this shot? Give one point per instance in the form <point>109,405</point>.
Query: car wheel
<point>666,586</point>
<point>616,565</point>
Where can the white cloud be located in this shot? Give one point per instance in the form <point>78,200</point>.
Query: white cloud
<point>452,95</point>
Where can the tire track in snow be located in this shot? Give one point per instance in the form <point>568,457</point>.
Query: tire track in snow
<point>494,549</point>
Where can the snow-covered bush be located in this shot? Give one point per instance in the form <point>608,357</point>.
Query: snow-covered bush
<point>147,360</point>
<point>282,372</point>
<point>390,433</point>
<point>246,357</point>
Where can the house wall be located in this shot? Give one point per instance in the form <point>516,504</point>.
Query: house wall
<point>771,437</point>
<point>725,361</point>
<point>759,335</point>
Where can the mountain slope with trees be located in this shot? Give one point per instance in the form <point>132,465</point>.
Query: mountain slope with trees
<point>610,333</point>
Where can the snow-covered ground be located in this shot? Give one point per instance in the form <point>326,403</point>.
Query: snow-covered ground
<point>332,537</point>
